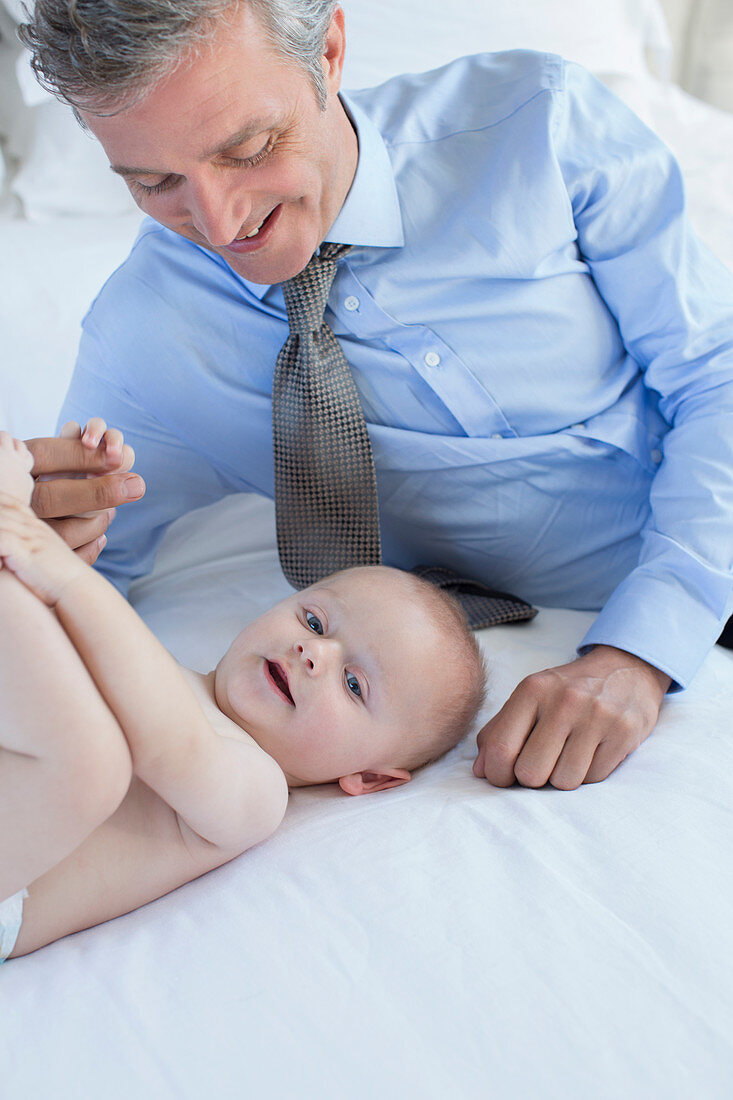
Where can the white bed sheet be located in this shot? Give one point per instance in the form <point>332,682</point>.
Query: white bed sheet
<point>441,939</point>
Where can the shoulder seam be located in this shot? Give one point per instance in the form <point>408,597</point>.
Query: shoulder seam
<point>553,69</point>
<point>473,129</point>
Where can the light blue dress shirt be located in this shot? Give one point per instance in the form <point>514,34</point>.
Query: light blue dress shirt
<point>543,349</point>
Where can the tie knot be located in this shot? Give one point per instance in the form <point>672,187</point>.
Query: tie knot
<point>307,292</point>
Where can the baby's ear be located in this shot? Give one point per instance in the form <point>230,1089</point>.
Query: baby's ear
<point>368,782</point>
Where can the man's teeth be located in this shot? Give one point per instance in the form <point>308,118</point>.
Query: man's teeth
<point>253,233</point>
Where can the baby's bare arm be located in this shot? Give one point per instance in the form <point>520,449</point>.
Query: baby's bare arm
<point>225,790</point>
<point>221,787</point>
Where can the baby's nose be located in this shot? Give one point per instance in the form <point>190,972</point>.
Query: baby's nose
<point>315,653</point>
<point>300,650</point>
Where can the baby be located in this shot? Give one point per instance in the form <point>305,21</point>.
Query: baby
<point>124,775</point>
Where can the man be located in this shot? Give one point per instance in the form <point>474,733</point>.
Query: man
<point>541,346</point>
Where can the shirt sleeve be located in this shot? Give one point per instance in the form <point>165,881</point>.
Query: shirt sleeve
<point>673,301</point>
<point>178,478</point>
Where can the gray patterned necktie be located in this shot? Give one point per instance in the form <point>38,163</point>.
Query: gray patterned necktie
<point>325,485</point>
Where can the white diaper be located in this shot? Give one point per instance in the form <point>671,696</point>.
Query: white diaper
<point>11,918</point>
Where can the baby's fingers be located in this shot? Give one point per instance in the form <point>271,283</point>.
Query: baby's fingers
<point>94,429</point>
<point>23,454</point>
<point>96,434</point>
<point>112,442</point>
<point>70,430</point>
<point>14,515</point>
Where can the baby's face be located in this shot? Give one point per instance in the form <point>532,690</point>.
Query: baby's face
<point>334,679</point>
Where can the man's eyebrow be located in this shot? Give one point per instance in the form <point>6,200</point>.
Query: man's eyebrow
<point>253,127</point>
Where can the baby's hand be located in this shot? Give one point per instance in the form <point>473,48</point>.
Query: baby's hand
<point>16,462</point>
<point>96,435</point>
<point>31,550</point>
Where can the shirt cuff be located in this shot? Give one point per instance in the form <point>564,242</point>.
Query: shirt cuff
<point>669,611</point>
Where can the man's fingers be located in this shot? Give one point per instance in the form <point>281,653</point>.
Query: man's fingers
<point>606,759</point>
<point>68,497</point>
<point>541,751</point>
<point>501,740</point>
<point>92,550</point>
<point>68,456</point>
<point>574,760</point>
<point>78,532</point>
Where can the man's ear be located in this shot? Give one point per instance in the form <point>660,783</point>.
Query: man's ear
<point>333,51</point>
<point>368,782</point>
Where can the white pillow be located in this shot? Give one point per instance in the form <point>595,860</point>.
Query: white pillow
<point>62,170</point>
<point>386,37</point>
<point>66,171</point>
<point>677,14</point>
<point>708,71</point>
<point>13,120</point>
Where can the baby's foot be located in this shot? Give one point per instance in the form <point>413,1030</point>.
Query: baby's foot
<point>16,462</point>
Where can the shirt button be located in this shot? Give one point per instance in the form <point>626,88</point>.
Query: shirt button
<point>432,359</point>
<point>496,435</point>
<point>351,303</point>
<point>656,457</point>
<point>578,427</point>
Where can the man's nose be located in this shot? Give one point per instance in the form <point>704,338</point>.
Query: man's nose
<point>218,213</point>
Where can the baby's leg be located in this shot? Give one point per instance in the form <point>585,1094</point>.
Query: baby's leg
<point>64,761</point>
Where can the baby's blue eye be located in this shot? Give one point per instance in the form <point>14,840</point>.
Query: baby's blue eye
<point>353,684</point>
<point>314,622</point>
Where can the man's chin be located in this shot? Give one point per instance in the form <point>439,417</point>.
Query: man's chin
<point>267,270</point>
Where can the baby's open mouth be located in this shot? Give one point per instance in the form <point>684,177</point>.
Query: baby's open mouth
<point>279,678</point>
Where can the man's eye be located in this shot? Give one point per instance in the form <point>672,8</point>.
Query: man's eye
<point>255,159</point>
<point>314,622</point>
<point>156,188</point>
<point>353,684</point>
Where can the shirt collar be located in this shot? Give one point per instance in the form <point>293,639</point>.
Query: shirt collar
<point>371,212</point>
<point>370,215</point>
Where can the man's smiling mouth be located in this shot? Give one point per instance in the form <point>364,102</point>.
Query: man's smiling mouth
<point>277,675</point>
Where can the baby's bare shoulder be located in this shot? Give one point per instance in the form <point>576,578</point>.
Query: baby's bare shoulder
<point>268,770</point>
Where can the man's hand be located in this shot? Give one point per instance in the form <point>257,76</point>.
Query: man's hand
<point>573,724</point>
<point>80,478</point>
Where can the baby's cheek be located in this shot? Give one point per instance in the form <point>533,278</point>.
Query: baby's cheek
<point>335,739</point>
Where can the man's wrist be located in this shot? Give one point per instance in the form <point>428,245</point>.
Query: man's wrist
<point>608,658</point>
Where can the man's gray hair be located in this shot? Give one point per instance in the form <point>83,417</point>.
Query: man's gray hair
<point>104,55</point>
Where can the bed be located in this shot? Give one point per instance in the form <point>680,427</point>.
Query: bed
<point>444,939</point>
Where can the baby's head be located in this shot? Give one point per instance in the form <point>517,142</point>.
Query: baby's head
<point>360,678</point>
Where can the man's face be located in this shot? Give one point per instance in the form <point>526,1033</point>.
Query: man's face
<point>235,140</point>
<point>336,679</point>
